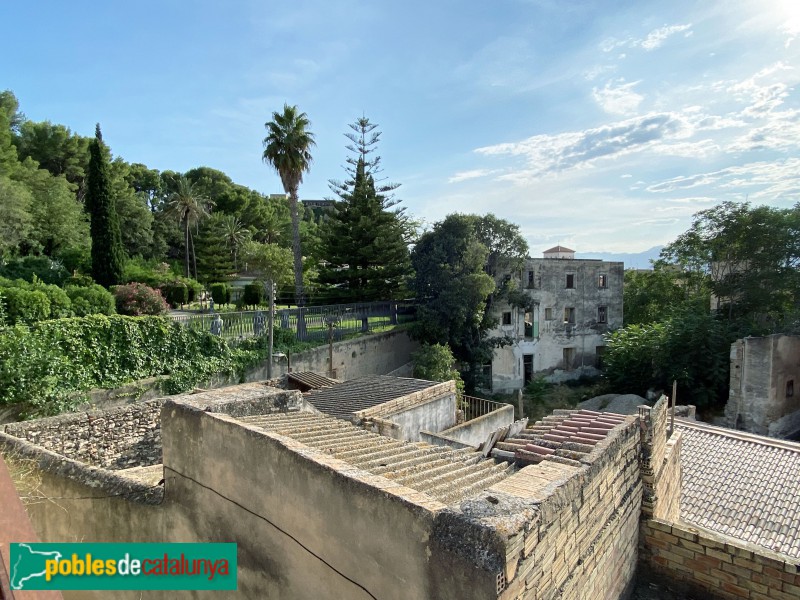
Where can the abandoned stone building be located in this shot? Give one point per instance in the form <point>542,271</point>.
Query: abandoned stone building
<point>764,393</point>
<point>572,303</point>
<point>349,505</point>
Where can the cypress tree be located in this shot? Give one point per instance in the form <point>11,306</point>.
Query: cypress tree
<point>364,243</point>
<point>108,257</point>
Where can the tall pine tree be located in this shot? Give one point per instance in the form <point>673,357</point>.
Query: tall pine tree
<point>363,242</point>
<point>108,257</point>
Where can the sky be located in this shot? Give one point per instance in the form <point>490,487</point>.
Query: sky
<point>602,126</point>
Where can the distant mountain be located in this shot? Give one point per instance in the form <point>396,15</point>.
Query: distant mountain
<point>638,260</point>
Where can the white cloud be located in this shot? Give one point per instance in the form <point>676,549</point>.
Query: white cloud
<point>621,100</point>
<point>657,37</point>
<point>473,174</point>
<point>776,175</point>
<point>554,153</point>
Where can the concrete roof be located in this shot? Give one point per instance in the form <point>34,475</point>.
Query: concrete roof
<point>440,472</point>
<point>344,399</point>
<point>741,485</point>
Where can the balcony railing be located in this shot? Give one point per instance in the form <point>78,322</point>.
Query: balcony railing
<point>477,407</point>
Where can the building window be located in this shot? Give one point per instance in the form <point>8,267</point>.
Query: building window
<point>530,279</point>
<point>527,368</point>
<point>530,329</point>
<point>790,388</point>
<point>569,315</point>
<point>570,281</point>
<point>602,280</point>
<point>602,314</point>
<point>548,314</point>
<point>569,358</point>
<point>598,353</point>
<point>507,318</point>
<point>485,377</point>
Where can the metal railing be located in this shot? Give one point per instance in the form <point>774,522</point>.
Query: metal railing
<point>477,407</point>
<point>310,323</point>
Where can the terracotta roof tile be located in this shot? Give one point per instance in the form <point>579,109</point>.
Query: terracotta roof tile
<point>742,485</point>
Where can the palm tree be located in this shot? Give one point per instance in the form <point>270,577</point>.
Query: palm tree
<point>286,148</point>
<point>189,207</point>
<point>235,235</point>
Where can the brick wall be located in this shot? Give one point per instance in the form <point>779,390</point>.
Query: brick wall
<point>660,463</point>
<point>714,566</point>
<point>582,541</point>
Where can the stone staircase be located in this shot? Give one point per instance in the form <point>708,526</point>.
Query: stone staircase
<point>443,473</point>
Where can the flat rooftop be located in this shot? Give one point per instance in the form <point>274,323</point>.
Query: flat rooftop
<point>741,485</point>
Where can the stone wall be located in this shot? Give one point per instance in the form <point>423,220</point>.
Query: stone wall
<point>714,566</point>
<point>116,438</point>
<point>765,386</point>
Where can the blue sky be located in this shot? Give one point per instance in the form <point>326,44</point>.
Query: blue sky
<point>602,126</point>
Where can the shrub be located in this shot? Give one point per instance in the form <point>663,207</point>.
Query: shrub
<point>60,303</point>
<point>91,300</point>
<point>176,293</point>
<point>194,288</point>
<point>79,280</point>
<point>136,299</point>
<point>25,306</point>
<point>221,293</point>
<point>253,294</point>
<point>434,362</point>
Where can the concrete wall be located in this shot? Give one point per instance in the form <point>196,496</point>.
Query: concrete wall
<point>377,354</point>
<point>433,409</point>
<point>549,292</point>
<point>761,370</point>
<point>715,566</point>
<point>475,431</point>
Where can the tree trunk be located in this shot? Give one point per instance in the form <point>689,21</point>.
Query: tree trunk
<point>186,245</point>
<point>298,254</point>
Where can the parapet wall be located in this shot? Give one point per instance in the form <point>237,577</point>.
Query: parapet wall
<point>116,438</point>
<point>555,529</point>
<point>660,463</point>
<point>715,566</point>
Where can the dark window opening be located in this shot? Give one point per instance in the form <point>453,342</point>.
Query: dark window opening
<point>569,358</point>
<point>529,325</point>
<point>570,281</point>
<point>602,280</point>
<point>527,368</point>
<point>548,314</point>
<point>790,388</point>
<point>530,279</point>
<point>598,352</point>
<point>506,318</point>
<point>602,314</point>
<point>569,315</point>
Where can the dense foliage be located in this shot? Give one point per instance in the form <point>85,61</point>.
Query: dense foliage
<point>455,277</point>
<point>44,367</point>
<point>29,302</point>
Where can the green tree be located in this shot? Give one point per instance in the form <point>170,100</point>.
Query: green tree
<point>135,217</point>
<point>751,256</point>
<point>57,149</point>
<point>214,260</point>
<point>107,254</point>
<point>653,295</point>
<point>287,147</point>
<point>363,244</point>
<point>15,217</point>
<point>434,362</point>
<point>189,208</point>
<point>452,286</point>
<point>234,235</point>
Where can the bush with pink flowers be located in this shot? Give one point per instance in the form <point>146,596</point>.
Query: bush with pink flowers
<point>137,299</point>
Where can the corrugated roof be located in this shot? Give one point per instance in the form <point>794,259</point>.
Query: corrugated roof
<point>442,473</point>
<point>343,399</point>
<point>742,485</point>
<point>310,380</point>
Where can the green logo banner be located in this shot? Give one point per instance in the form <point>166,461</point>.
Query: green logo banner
<point>88,566</point>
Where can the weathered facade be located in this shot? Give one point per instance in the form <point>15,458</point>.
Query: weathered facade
<point>765,386</point>
<point>572,304</point>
